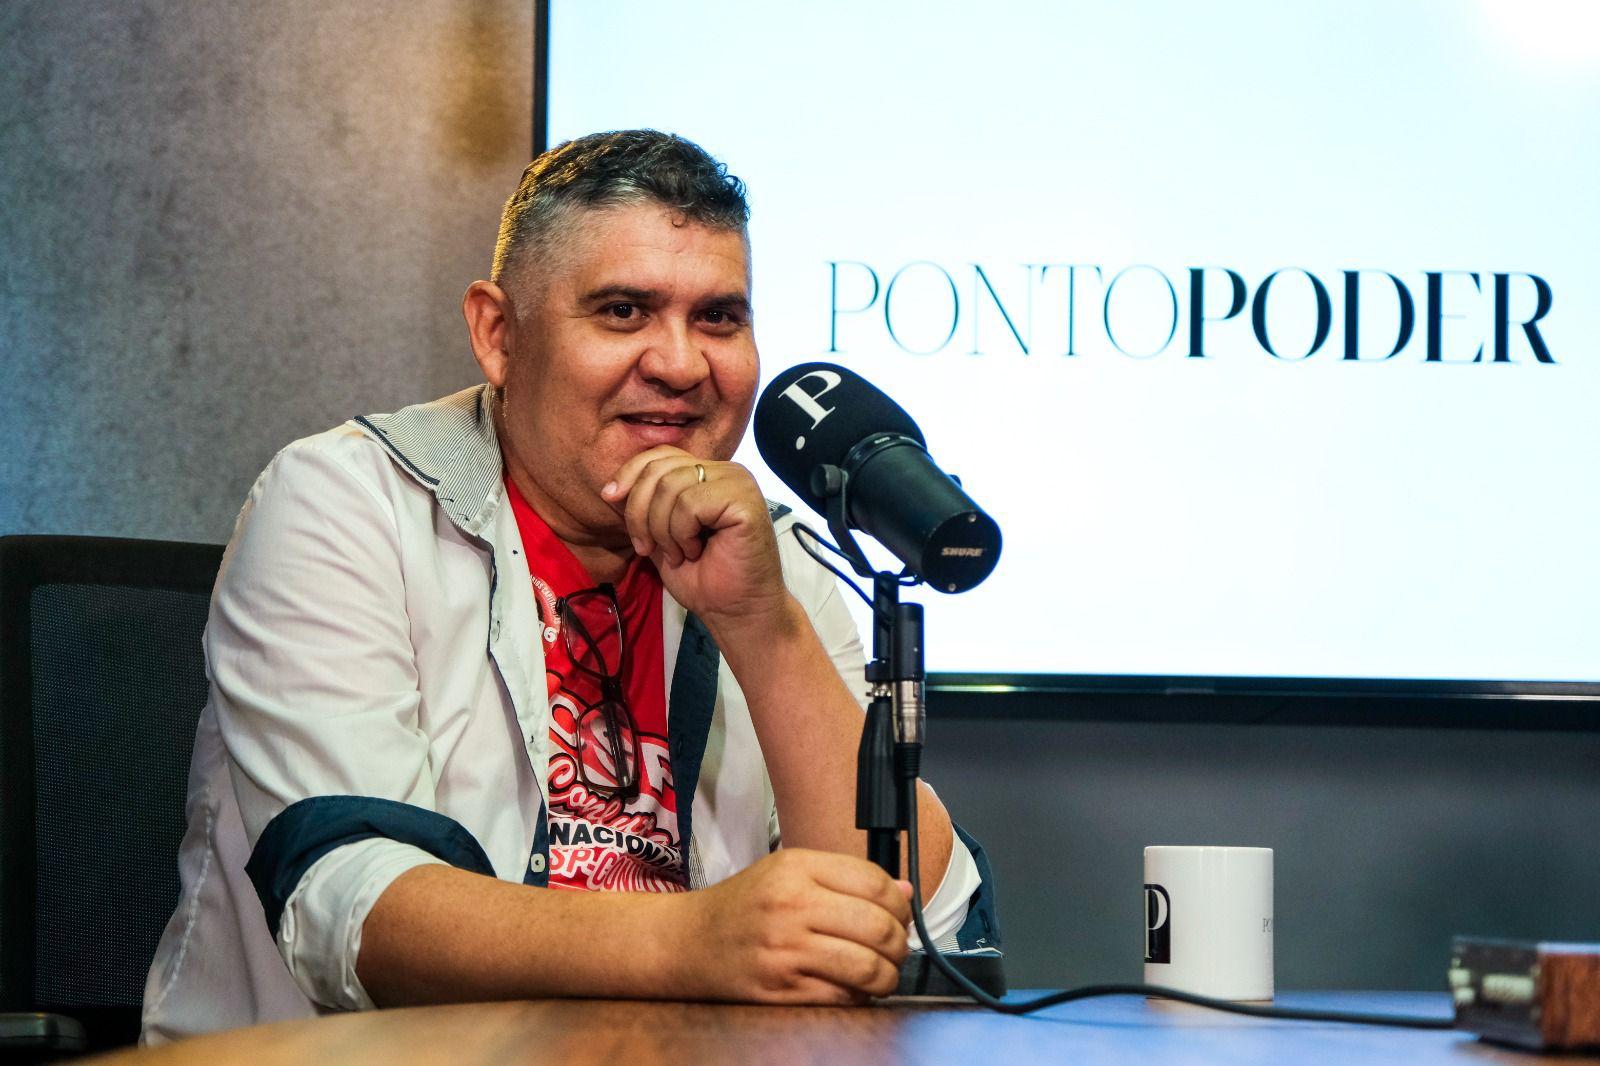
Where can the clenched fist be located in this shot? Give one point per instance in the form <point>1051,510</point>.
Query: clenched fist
<point>705,526</point>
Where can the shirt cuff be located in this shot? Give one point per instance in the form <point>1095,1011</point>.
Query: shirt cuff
<point>947,910</point>
<point>319,936</point>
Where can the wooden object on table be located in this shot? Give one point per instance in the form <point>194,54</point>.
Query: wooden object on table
<point>1535,995</point>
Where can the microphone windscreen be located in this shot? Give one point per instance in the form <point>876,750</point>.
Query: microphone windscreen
<point>813,414</point>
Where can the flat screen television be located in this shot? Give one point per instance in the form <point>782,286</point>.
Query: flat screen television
<point>1269,333</point>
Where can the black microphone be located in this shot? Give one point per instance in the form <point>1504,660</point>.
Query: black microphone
<point>820,414</point>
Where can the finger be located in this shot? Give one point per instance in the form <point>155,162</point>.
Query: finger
<point>900,902</point>
<point>727,497</point>
<point>701,510</point>
<point>672,522</point>
<point>623,480</point>
<point>641,496</point>
<point>862,922</point>
<point>854,876</point>
<point>805,990</point>
<point>850,966</point>
<point>684,523</point>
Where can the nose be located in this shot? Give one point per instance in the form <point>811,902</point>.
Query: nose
<point>674,359</point>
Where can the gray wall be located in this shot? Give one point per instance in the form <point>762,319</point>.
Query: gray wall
<point>225,226</point>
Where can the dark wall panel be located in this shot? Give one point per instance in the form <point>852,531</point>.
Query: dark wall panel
<point>1387,841</point>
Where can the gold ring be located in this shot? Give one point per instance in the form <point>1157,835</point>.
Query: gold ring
<point>700,473</point>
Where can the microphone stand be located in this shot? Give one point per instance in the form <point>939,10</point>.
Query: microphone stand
<point>889,760</point>
<point>895,685</point>
<point>892,734</point>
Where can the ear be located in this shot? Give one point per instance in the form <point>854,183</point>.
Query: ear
<point>491,325</point>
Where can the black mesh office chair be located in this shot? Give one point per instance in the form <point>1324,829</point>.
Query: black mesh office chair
<point>102,680</point>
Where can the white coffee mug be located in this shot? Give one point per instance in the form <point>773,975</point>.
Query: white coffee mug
<point>1208,920</point>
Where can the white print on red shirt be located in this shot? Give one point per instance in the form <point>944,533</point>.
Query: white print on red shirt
<point>549,617</point>
<point>597,842</point>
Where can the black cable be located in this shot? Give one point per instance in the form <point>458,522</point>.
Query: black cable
<point>824,541</point>
<point>1088,991</point>
<point>840,574</point>
<point>906,578</point>
<point>908,763</point>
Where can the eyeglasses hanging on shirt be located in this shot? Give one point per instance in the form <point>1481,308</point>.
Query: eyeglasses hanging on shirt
<point>608,742</point>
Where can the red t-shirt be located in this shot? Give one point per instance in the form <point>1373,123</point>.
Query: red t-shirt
<point>604,842</point>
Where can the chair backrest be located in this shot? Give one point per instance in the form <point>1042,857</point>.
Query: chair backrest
<point>102,680</point>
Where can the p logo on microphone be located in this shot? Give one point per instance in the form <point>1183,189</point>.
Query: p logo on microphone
<point>807,401</point>
<point>1157,924</point>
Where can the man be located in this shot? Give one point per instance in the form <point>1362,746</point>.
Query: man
<point>543,635</point>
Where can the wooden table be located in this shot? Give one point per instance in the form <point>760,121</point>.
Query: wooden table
<point>574,1032</point>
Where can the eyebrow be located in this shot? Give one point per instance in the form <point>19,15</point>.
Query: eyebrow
<point>734,300</point>
<point>622,292</point>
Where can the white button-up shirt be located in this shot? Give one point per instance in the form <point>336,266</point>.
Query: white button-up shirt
<point>373,633</point>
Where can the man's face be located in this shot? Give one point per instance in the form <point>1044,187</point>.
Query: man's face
<point>639,334</point>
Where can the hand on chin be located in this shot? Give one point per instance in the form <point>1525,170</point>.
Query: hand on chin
<point>704,524</point>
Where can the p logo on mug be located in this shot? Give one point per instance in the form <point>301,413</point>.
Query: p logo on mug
<point>1219,943</point>
<point>1157,924</point>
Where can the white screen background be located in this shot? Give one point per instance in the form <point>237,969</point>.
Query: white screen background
<point>1231,515</point>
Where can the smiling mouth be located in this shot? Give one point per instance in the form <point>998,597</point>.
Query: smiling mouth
<point>676,421</point>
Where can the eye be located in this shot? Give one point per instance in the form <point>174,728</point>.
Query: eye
<point>721,318</point>
<point>622,312</point>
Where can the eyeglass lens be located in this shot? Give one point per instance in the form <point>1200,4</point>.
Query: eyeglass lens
<point>594,633</point>
<point>607,744</point>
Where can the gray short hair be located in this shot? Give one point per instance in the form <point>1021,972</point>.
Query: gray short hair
<point>609,170</point>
